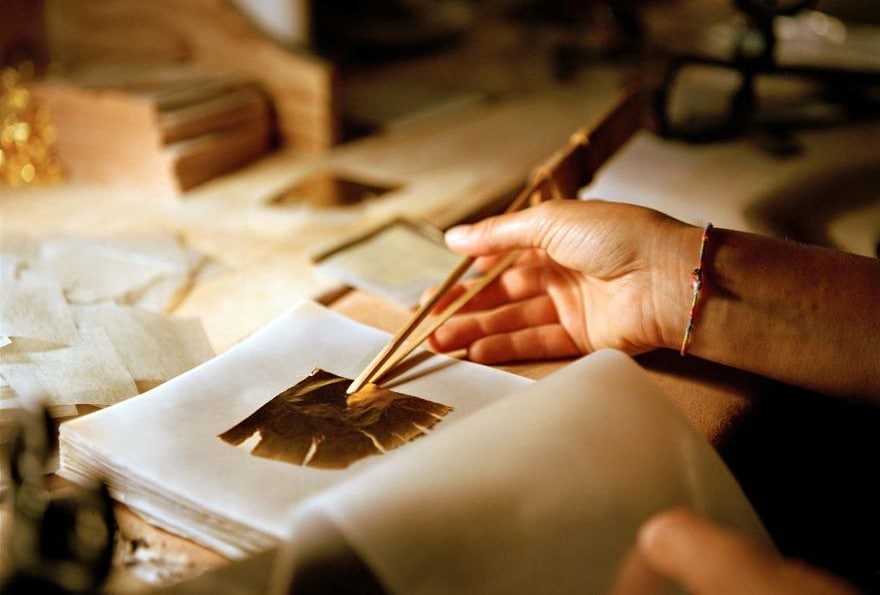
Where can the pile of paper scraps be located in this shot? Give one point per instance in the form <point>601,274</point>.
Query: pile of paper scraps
<point>83,322</point>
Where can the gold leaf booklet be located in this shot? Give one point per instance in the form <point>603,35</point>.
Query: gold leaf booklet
<point>451,477</point>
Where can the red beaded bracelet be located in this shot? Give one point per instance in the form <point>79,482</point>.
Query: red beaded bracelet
<point>697,284</point>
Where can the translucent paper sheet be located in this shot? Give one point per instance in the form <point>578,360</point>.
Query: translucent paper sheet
<point>92,272</point>
<point>51,360</point>
<point>35,310</point>
<point>149,271</point>
<point>5,389</point>
<point>90,372</point>
<point>398,262</point>
<point>162,454</point>
<point>15,250</point>
<point>542,492</point>
<point>153,347</point>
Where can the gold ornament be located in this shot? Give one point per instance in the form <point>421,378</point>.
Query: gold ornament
<point>27,138</point>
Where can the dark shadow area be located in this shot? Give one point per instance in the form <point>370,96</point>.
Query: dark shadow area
<point>809,464</point>
<point>378,30</point>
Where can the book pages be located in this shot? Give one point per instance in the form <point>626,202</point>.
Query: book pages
<point>543,492</point>
<point>162,453</point>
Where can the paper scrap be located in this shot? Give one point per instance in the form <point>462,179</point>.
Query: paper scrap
<point>35,309</point>
<point>14,251</point>
<point>9,266</point>
<point>152,346</point>
<point>161,294</point>
<point>41,279</point>
<point>164,249</point>
<point>91,271</point>
<point>117,270</point>
<point>6,392</point>
<point>17,247</point>
<point>180,263</point>
<point>90,372</point>
<point>398,262</point>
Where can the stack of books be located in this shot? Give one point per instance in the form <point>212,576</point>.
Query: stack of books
<point>164,129</point>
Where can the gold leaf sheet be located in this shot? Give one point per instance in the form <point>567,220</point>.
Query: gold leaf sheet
<point>313,423</point>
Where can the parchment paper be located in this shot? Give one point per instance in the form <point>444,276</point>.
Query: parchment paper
<point>33,308</point>
<point>90,372</point>
<point>92,271</point>
<point>153,347</point>
<point>397,263</point>
<point>122,270</point>
<point>542,492</point>
<point>162,455</point>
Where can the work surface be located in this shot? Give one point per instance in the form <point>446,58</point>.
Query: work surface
<point>803,474</point>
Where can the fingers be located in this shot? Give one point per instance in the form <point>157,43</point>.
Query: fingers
<point>462,330</point>
<point>512,285</point>
<point>539,343</point>
<point>525,229</point>
<point>706,558</point>
<point>524,330</point>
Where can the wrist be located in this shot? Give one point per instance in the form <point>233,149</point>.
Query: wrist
<point>678,256</point>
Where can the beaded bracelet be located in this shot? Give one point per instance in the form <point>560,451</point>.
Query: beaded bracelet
<point>697,284</point>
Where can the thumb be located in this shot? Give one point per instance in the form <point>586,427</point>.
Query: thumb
<point>523,229</point>
<point>705,558</point>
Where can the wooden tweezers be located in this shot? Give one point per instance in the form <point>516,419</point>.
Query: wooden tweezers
<point>561,176</point>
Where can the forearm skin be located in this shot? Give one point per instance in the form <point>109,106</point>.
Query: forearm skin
<point>804,315</point>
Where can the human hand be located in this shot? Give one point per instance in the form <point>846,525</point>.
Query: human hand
<point>707,559</point>
<point>592,274</point>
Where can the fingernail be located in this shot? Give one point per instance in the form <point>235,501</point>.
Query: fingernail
<point>457,234</point>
